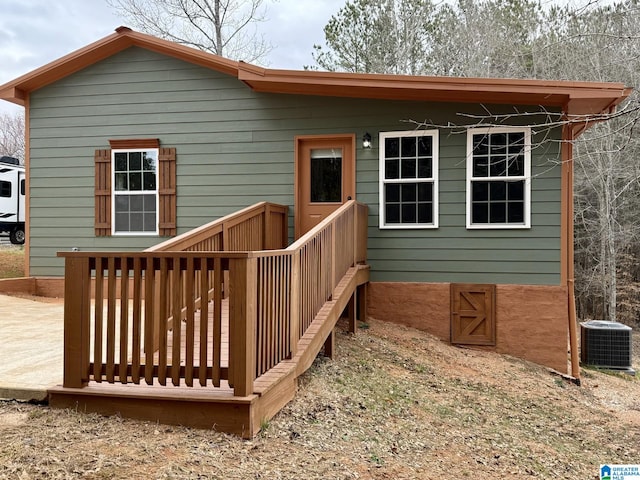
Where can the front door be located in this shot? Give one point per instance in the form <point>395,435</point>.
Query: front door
<point>325,178</point>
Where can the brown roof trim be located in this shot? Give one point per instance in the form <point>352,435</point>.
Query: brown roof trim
<point>581,98</point>
<point>575,98</point>
<point>124,37</point>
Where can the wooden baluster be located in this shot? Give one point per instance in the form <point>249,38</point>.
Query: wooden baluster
<point>111,319</point>
<point>124,319</point>
<point>162,321</point>
<point>149,318</point>
<point>278,278</point>
<point>190,300</point>
<point>333,254</point>
<point>270,312</point>
<point>217,321</point>
<point>177,321</point>
<point>273,331</point>
<point>98,321</point>
<point>286,308</point>
<point>204,321</point>
<point>137,320</point>
<point>76,322</point>
<point>260,323</point>
<point>294,315</point>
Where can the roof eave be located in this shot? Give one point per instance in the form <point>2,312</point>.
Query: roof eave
<point>13,95</point>
<point>16,90</point>
<point>584,98</point>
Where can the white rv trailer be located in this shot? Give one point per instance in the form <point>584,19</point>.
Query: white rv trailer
<point>12,194</point>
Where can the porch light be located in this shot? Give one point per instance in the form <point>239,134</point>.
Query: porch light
<point>366,140</point>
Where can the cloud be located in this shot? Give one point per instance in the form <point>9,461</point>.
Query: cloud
<point>36,32</point>
<point>294,26</point>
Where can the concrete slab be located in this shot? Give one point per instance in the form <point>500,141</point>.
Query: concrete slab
<point>31,347</point>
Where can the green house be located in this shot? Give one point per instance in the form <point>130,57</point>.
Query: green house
<point>468,182</point>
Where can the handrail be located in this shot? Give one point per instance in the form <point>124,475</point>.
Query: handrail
<point>309,270</point>
<point>262,226</point>
<point>145,322</point>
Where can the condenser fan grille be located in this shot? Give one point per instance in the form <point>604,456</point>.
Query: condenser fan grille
<point>606,344</point>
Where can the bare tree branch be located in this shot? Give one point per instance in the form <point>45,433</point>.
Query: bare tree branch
<point>223,27</point>
<point>12,139</point>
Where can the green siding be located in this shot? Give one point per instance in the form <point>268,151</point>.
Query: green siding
<point>235,148</point>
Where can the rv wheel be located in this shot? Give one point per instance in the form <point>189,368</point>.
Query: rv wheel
<point>17,236</point>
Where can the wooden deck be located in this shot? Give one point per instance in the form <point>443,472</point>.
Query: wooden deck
<point>146,354</point>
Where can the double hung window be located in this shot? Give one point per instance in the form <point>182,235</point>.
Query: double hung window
<point>135,192</point>
<point>409,179</point>
<point>499,177</point>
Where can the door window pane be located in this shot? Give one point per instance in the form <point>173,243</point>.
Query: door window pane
<point>326,176</point>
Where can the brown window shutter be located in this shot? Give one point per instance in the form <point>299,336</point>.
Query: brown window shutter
<point>167,191</point>
<point>103,193</point>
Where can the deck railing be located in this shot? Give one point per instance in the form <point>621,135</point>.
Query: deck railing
<point>262,226</point>
<point>273,298</point>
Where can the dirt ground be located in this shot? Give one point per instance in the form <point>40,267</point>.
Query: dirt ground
<point>395,403</point>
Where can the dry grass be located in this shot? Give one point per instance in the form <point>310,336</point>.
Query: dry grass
<point>394,404</point>
<point>11,262</point>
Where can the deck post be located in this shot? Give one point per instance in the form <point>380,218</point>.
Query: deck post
<point>242,324</point>
<point>361,233</point>
<point>77,285</point>
<point>351,313</point>
<point>361,294</point>
<point>294,298</point>
<point>285,228</point>
<point>330,345</point>
<point>267,232</point>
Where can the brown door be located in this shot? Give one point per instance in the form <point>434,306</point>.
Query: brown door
<point>325,178</point>
<point>473,314</point>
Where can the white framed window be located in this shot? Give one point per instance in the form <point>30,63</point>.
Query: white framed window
<point>409,179</point>
<point>135,191</point>
<point>499,178</point>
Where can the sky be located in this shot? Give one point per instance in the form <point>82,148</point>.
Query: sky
<point>36,32</point>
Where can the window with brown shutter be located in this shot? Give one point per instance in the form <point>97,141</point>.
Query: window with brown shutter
<point>144,190</point>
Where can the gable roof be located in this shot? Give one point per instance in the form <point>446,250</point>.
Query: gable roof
<point>123,38</point>
<point>574,98</point>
